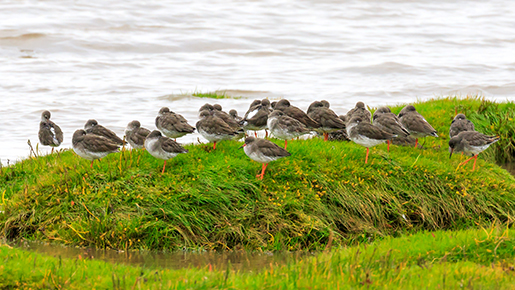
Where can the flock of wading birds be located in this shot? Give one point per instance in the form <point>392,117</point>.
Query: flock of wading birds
<point>284,122</point>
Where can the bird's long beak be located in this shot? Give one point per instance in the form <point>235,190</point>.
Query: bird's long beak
<point>451,150</point>
<point>242,146</point>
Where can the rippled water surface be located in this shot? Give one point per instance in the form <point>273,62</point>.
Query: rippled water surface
<point>116,61</point>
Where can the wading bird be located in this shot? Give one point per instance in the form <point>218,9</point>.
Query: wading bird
<point>49,133</point>
<point>460,124</point>
<point>92,127</point>
<point>263,151</point>
<point>172,125</point>
<point>470,143</point>
<point>91,146</point>
<point>135,134</point>
<point>162,147</point>
<point>416,124</point>
<point>365,134</point>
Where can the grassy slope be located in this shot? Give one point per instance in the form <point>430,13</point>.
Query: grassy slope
<point>322,194</point>
<point>472,259</point>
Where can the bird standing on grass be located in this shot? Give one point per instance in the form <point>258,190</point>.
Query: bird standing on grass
<point>285,127</point>
<point>162,147</point>
<point>460,124</point>
<point>387,121</point>
<point>91,146</point>
<point>256,118</point>
<point>216,111</point>
<point>327,118</point>
<point>359,110</point>
<point>135,134</point>
<point>416,124</point>
<point>172,125</point>
<point>296,113</point>
<point>214,129</point>
<point>365,134</point>
<point>49,133</point>
<point>92,127</point>
<point>263,151</point>
<point>470,143</point>
<point>253,109</point>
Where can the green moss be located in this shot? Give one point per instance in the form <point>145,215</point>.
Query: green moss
<point>473,259</point>
<point>323,193</point>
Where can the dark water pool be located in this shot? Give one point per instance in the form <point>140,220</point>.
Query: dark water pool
<point>243,261</point>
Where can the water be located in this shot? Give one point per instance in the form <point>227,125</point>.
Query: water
<point>244,261</point>
<point>116,61</point>
<point>510,167</point>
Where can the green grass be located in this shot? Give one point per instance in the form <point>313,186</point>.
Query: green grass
<point>213,95</point>
<point>322,195</point>
<point>471,259</point>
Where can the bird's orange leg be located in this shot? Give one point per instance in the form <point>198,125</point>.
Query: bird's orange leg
<point>388,142</point>
<point>163,171</point>
<point>214,146</point>
<point>285,143</point>
<point>91,166</point>
<point>475,159</point>
<point>266,133</point>
<point>416,142</point>
<point>326,136</point>
<point>255,134</point>
<point>260,176</point>
<point>465,162</point>
<point>366,158</point>
<point>52,151</point>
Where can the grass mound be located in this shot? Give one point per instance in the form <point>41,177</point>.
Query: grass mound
<point>472,259</point>
<point>323,194</point>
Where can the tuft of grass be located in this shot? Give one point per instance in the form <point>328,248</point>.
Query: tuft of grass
<point>473,259</point>
<point>322,195</point>
<point>213,95</point>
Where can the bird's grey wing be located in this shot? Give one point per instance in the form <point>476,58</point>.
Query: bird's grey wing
<point>172,147</point>
<point>269,148</point>
<point>96,143</point>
